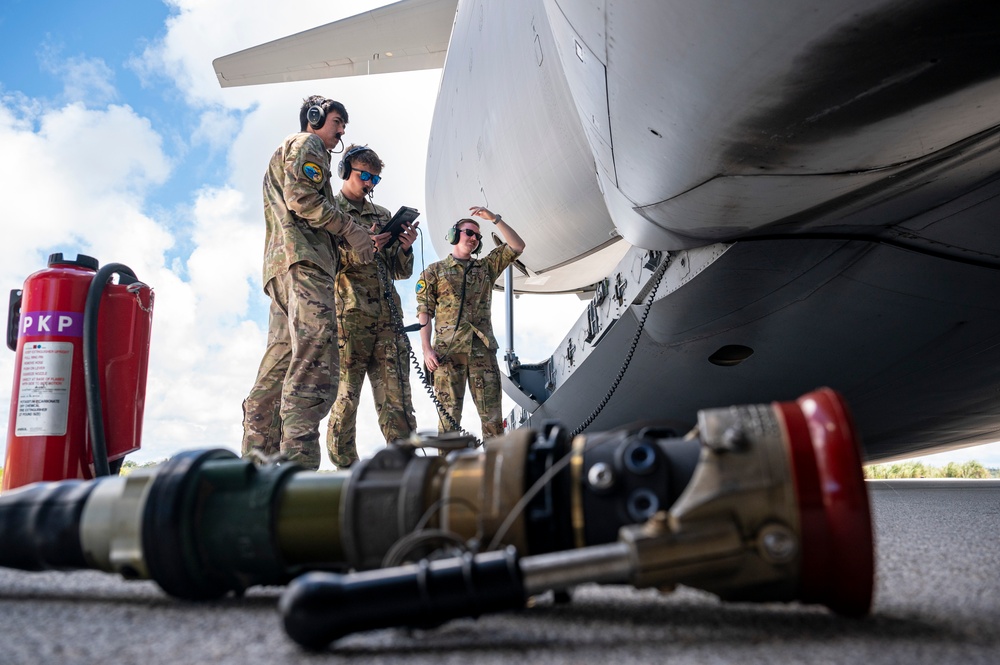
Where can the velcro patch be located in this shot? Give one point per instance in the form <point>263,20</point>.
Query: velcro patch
<point>313,171</point>
<point>421,286</point>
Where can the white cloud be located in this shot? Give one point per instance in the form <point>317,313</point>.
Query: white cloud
<point>216,129</point>
<point>76,187</point>
<point>227,254</point>
<point>85,80</point>
<point>18,111</point>
<point>98,153</point>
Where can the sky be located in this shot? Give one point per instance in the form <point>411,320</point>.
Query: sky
<point>119,143</point>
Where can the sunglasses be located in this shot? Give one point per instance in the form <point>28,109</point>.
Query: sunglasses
<point>366,176</point>
<point>471,234</point>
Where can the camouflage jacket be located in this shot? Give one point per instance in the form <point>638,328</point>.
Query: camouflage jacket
<point>458,298</point>
<point>299,212</point>
<point>358,287</point>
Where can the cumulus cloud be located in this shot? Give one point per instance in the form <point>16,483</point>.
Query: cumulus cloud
<point>73,187</point>
<point>85,80</point>
<point>205,351</point>
<point>217,127</point>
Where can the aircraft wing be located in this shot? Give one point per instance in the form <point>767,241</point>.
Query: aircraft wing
<point>404,36</point>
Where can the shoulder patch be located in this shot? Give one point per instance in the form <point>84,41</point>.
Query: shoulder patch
<point>421,286</point>
<point>313,171</point>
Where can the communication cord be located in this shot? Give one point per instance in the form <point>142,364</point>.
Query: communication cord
<point>628,356</point>
<point>397,322</point>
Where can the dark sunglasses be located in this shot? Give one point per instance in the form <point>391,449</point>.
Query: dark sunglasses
<point>366,176</point>
<point>471,234</point>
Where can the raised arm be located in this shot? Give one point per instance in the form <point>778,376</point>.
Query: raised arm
<point>510,236</point>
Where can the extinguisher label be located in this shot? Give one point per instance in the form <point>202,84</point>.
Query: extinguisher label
<point>69,324</point>
<point>43,396</point>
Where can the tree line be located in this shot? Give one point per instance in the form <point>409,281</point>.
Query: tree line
<point>911,469</point>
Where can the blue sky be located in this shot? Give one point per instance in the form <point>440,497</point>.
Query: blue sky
<point>119,143</point>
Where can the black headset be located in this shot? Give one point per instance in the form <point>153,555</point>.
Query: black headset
<point>344,166</point>
<point>454,233</point>
<point>316,115</point>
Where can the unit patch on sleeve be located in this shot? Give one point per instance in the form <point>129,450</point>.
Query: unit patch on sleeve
<point>313,171</point>
<point>421,285</point>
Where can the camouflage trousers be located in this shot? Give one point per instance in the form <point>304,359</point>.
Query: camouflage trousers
<point>369,346</point>
<point>297,379</point>
<point>481,371</point>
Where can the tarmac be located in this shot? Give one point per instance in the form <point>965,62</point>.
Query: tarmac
<point>937,601</point>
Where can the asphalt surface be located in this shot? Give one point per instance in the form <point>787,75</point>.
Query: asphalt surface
<point>937,600</point>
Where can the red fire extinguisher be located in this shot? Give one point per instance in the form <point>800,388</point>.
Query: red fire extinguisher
<point>82,346</point>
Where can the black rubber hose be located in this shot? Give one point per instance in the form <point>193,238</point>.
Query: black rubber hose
<point>318,608</point>
<point>91,370</point>
<point>168,543</point>
<point>40,526</point>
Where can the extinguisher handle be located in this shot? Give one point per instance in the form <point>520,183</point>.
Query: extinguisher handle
<point>13,318</point>
<point>91,371</point>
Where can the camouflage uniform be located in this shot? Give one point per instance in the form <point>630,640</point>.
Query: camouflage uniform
<point>458,298</point>
<point>297,379</point>
<point>369,343</point>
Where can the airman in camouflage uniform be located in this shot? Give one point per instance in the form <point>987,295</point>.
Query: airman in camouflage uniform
<point>297,379</point>
<point>457,293</point>
<point>370,343</point>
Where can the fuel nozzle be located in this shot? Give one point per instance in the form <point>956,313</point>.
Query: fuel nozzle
<point>775,510</point>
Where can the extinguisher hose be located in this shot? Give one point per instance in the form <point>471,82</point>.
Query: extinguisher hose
<point>91,370</point>
<point>40,526</point>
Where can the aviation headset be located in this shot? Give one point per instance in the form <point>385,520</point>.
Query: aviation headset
<point>454,233</point>
<point>344,166</point>
<point>316,115</point>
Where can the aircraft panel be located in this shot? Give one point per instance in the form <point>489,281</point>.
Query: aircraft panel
<point>779,88</point>
<point>521,152</point>
<point>877,323</point>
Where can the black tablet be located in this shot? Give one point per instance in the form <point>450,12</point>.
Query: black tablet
<point>403,216</point>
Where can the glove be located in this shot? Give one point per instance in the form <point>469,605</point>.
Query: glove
<point>362,243</point>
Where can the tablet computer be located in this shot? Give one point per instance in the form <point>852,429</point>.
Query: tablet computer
<point>403,216</point>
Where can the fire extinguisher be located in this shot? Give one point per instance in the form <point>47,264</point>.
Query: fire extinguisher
<point>82,346</point>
